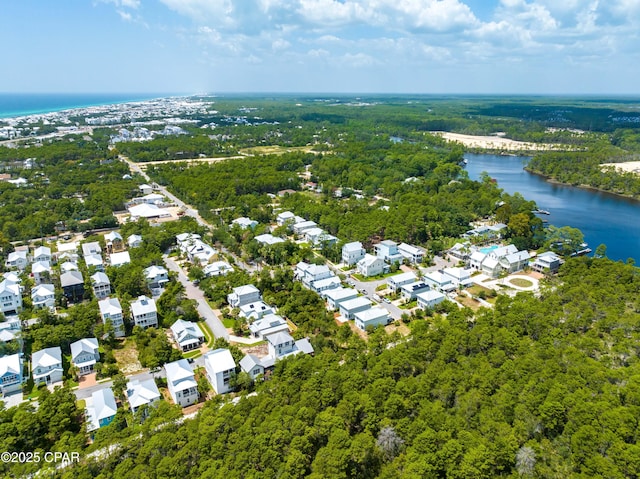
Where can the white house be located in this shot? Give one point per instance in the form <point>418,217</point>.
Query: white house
<point>268,239</point>
<point>145,189</point>
<point>352,306</point>
<point>17,260</point>
<point>197,251</point>
<point>325,284</point>
<point>42,254</point>
<point>252,365</point>
<point>10,297</point>
<point>372,317</point>
<point>100,409</point>
<point>101,285</point>
<point>284,217</point>
<point>388,251</point>
<point>84,355</point>
<point>94,261</point>
<point>142,393</point>
<point>187,335</point>
<point>91,248</point>
<point>439,281</point>
<point>312,235</point>
<point>114,242</point>
<point>220,368</point>
<point>491,267</point>
<point>430,299</point>
<point>515,261</point>
<point>43,296</point>
<point>111,310</point>
<point>268,324</point>
<point>460,277</point>
<point>11,330</point>
<point>118,259</point>
<point>156,276</point>
<point>308,273</point>
<point>10,374</point>
<point>134,241</point>
<point>302,226</point>
<point>68,266</point>
<point>181,383</point>
<point>243,295</point>
<point>148,211</point>
<point>476,258</point>
<point>352,252</point>
<point>256,310</point>
<point>412,253</point>
<point>218,268</point>
<point>245,223</point>
<point>144,312</point>
<point>370,265</point>
<point>547,262</point>
<point>282,345</point>
<point>46,366</point>
<point>396,281</point>
<point>411,290</point>
<point>335,297</point>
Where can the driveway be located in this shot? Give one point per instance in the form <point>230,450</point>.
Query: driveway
<point>193,292</point>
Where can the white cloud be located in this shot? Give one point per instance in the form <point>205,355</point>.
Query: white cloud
<point>123,3</point>
<point>126,16</point>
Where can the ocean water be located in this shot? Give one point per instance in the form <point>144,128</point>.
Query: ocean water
<point>20,104</point>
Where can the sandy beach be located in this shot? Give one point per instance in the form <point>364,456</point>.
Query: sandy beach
<point>494,142</point>
<point>626,167</point>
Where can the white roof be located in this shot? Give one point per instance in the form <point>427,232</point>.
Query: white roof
<point>244,222</point>
<point>457,273</point>
<point>372,314</point>
<point>217,267</point>
<point>112,236</point>
<point>100,278</point>
<point>220,360</point>
<point>42,250</point>
<point>146,210</point>
<point>517,257</point>
<point>340,293</point>
<point>490,263</point>
<point>285,215</point>
<point>153,197</point>
<point>134,239</point>
<point>402,277</point>
<point>16,255</point>
<point>43,290</point>
<point>143,305</point>
<point>245,289</point>
<point>40,267</point>
<point>369,259</point>
<point>354,246</point>
<point>249,361</point>
<point>413,250</point>
<point>93,260</point>
<point>144,186</point>
<point>64,247</point>
<point>478,256</point>
<point>10,365</point>
<point>153,271</point>
<point>268,239</point>
<point>180,372</point>
<point>12,277</point>
<point>71,278</point>
<point>430,295</point>
<point>104,403</point>
<point>354,303</point>
<point>84,345</point>
<point>186,332</point>
<point>68,266</point>
<point>142,392</point>
<point>46,357</point>
<point>187,237</point>
<point>438,277</point>
<point>110,306</point>
<point>9,287</point>
<point>279,338</point>
<point>118,259</point>
<point>92,247</point>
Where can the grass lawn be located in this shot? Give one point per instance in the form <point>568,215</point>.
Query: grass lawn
<point>229,323</point>
<point>208,334</point>
<point>192,354</point>
<point>410,305</point>
<point>521,282</point>
<point>475,289</point>
<point>378,277</point>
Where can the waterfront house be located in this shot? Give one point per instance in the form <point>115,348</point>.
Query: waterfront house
<point>181,383</point>
<point>220,368</point>
<point>46,366</point>
<point>84,355</point>
<point>144,312</point>
<point>547,262</point>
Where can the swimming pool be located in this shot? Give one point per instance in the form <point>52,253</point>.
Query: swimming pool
<point>488,249</point>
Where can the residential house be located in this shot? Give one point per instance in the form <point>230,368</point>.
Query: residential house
<point>42,254</point>
<point>149,199</point>
<point>515,262</point>
<point>243,295</point>
<point>142,393</point>
<point>100,409</point>
<point>460,277</point>
<point>284,218</point>
<point>147,211</point>
<point>72,284</point>
<point>94,261</point>
<point>245,223</point>
<point>10,374</point>
<point>17,260</point>
<point>84,355</point>
<point>181,383</point>
<point>46,366</point>
<point>429,299</point>
<point>459,252</point>
<point>187,335</point>
<point>252,365</point>
<point>547,262</point>
<point>198,251</point>
<point>101,285</point>
<point>325,284</point>
<point>352,253</point>
<point>118,259</point>
<point>370,265</point>
<point>439,281</point>
<point>217,268</point>
<point>412,253</point>
<point>335,297</point>
<point>256,310</point>
<point>267,325</point>
<point>145,189</point>
<point>91,248</point>
<point>302,226</point>
<point>372,317</point>
<point>411,290</point>
<point>134,241</point>
<point>43,296</point>
<point>388,251</point>
<point>220,368</point>
<point>144,312</point>
<point>114,242</point>
<point>308,273</point>
<point>68,266</point>
<point>476,258</point>
<point>395,282</point>
<point>10,297</point>
<point>11,331</point>
<point>312,235</point>
<point>12,277</point>
<point>352,306</point>
<point>156,276</point>
<point>111,310</point>
<point>491,267</point>
<point>282,345</point>
<point>268,239</point>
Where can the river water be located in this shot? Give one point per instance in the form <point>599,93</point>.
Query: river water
<point>602,217</point>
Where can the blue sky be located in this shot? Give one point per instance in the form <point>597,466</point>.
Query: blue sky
<point>395,46</point>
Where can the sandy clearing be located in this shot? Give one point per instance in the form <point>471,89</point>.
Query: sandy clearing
<point>495,142</point>
<point>626,167</point>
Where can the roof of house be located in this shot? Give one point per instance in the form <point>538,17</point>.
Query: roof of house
<point>245,289</point>
<point>110,306</point>
<point>68,266</point>
<point>16,255</point>
<point>322,283</point>
<point>118,259</point>
<point>279,338</point>
<point>99,279</point>
<point>92,247</point>
<point>217,267</point>
<point>113,236</point>
<point>12,277</point>
<point>153,271</point>
<point>180,372</point>
<point>478,256</point>
<point>353,246</point>
<point>142,392</point>
<point>143,305</point>
<point>369,260</point>
<point>249,361</point>
<point>437,277</point>
<point>43,290</point>
<point>93,260</point>
<point>415,286</point>
<point>82,346</point>
<point>457,273</point>
<point>9,287</point>
<point>71,278</point>
<point>42,250</point>
<point>340,293</point>
<point>46,357</point>
<point>245,222</point>
<point>220,360</point>
<point>257,306</point>
<point>410,249</point>
<point>268,239</point>
<point>372,314</point>
<point>304,345</point>
<point>133,239</point>
<point>269,323</point>
<point>430,295</point>
<point>104,403</point>
<point>145,210</point>
<point>10,365</point>
<point>354,303</point>
<point>401,278</point>
<point>186,332</point>
<point>517,257</point>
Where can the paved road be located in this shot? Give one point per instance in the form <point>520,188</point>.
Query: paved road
<point>369,289</point>
<point>193,292</point>
<point>84,393</point>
